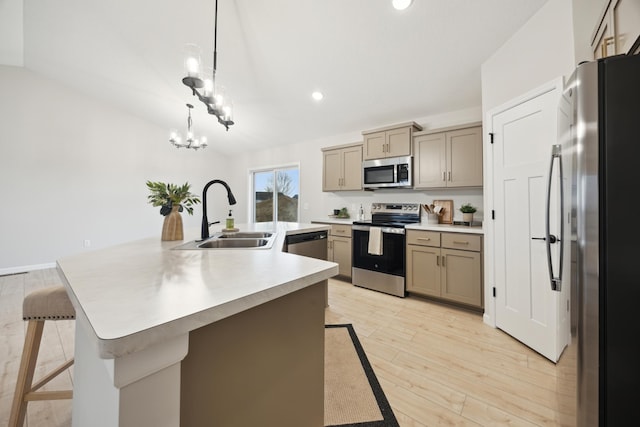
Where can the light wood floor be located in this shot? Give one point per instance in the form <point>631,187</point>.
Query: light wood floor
<point>438,365</point>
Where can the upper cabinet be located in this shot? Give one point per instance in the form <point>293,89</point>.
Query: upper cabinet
<point>342,168</point>
<point>617,30</point>
<point>449,157</point>
<point>391,141</point>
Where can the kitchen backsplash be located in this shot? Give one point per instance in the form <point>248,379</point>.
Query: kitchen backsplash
<point>352,201</point>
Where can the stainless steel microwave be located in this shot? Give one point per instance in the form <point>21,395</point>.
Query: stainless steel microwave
<point>392,172</point>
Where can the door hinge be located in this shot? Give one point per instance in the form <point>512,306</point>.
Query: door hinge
<point>491,135</point>
<point>493,214</point>
<point>494,291</point>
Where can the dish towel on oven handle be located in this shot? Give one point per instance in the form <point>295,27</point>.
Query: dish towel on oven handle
<point>375,241</point>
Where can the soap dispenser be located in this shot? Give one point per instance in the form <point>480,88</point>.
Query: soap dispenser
<point>229,224</point>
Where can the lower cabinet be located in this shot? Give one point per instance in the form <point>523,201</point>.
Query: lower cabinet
<point>339,248</point>
<point>447,266</point>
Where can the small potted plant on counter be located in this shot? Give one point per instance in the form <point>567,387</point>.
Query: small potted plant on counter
<point>172,200</point>
<point>467,212</point>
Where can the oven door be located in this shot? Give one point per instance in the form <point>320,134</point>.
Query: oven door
<point>393,251</point>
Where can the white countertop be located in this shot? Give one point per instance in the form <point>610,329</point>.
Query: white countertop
<point>331,220</point>
<point>140,293</point>
<point>420,226</point>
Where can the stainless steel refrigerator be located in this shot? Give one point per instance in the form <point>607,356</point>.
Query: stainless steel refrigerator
<point>605,95</point>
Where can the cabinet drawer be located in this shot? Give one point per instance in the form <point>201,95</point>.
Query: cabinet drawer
<point>423,238</point>
<point>462,241</point>
<point>340,230</point>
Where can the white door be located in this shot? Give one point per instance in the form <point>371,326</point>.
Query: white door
<point>526,307</point>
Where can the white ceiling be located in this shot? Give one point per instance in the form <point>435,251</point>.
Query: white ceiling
<point>375,65</point>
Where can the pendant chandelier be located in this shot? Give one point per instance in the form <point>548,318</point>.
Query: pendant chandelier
<point>190,141</point>
<point>211,94</point>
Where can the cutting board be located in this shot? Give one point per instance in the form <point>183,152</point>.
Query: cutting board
<point>447,215</point>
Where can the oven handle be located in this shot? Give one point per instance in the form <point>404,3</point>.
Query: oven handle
<point>388,230</point>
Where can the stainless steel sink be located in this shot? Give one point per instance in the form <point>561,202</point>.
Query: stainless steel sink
<point>238,240</point>
<point>246,235</point>
<point>232,243</point>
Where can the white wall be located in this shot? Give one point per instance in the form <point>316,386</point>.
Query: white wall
<point>586,14</point>
<point>541,51</point>
<point>75,169</point>
<point>309,156</point>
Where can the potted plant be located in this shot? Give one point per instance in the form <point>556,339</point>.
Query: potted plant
<point>467,212</point>
<point>172,200</point>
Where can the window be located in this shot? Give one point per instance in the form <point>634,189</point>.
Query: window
<point>275,194</point>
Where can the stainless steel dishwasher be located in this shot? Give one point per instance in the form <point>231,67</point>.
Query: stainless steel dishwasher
<point>312,244</point>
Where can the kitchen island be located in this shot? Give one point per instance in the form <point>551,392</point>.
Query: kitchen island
<point>198,337</point>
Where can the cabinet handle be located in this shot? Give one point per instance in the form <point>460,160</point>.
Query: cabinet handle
<point>449,175</point>
<point>341,231</point>
<point>444,176</point>
<point>443,257</point>
<point>424,238</point>
<point>438,260</point>
<point>459,242</point>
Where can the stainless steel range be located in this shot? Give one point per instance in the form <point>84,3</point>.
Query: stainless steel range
<point>379,247</point>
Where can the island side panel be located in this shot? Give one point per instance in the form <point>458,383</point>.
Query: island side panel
<point>264,366</point>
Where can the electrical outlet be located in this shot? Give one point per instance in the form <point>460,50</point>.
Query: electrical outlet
<point>86,243</point>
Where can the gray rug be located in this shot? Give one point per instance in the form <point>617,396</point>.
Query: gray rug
<point>353,396</point>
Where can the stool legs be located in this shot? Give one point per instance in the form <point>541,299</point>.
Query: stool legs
<point>25,390</point>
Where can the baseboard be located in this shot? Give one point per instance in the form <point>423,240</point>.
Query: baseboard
<point>26,268</point>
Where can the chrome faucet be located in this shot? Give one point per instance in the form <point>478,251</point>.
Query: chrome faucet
<point>205,221</point>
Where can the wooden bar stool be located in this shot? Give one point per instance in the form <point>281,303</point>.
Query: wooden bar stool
<point>39,306</point>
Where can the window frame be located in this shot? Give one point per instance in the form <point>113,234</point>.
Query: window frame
<point>252,190</point>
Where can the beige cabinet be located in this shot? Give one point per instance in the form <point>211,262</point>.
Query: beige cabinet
<point>393,141</point>
<point>451,158</point>
<point>342,168</point>
<point>447,266</point>
<point>339,248</point>
<point>618,28</point>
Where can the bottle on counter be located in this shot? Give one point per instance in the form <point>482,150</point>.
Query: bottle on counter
<point>361,214</point>
<point>229,223</point>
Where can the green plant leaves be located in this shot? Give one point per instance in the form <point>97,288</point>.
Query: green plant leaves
<point>167,195</point>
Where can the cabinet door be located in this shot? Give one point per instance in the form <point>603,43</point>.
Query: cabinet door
<point>626,24</point>
<point>398,142</point>
<point>462,276</point>
<point>331,170</point>
<point>341,250</point>
<point>352,168</point>
<point>423,270</point>
<point>374,146</point>
<point>429,161</point>
<point>464,158</point>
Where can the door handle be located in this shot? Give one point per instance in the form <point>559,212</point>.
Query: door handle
<point>552,238</point>
<point>556,282</point>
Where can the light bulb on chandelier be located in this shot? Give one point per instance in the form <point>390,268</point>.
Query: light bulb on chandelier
<point>212,95</point>
<point>191,141</point>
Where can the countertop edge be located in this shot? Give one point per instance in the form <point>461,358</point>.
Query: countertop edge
<point>110,348</point>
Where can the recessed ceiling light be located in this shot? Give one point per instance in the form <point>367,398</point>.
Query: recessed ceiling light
<point>317,95</point>
<point>401,4</point>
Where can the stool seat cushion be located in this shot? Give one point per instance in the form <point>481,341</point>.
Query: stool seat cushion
<point>48,304</point>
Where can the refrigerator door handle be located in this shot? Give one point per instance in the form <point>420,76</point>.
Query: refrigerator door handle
<point>556,282</point>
